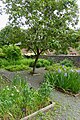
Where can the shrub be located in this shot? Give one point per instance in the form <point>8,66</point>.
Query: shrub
<point>40,63</point>
<point>55,67</point>
<point>21,64</point>
<point>68,80</point>
<point>12,52</point>
<point>17,67</point>
<point>3,62</point>
<point>1,50</point>
<point>67,63</point>
<point>2,55</point>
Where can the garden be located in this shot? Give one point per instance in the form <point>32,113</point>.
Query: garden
<point>29,85</point>
<point>19,99</point>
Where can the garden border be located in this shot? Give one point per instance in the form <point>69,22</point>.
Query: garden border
<point>45,109</point>
<point>66,92</point>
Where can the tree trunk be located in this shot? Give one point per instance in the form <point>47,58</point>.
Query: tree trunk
<point>34,66</point>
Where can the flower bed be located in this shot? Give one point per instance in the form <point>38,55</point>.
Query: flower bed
<point>65,79</point>
<point>18,100</point>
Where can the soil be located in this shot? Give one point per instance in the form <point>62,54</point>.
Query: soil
<point>69,105</point>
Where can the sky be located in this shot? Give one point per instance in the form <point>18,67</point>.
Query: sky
<point>4,18</point>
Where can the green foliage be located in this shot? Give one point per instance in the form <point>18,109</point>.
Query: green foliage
<point>1,50</point>
<point>55,67</point>
<point>44,91</point>
<point>12,52</point>
<point>21,64</point>
<point>2,55</point>
<point>67,63</point>
<point>17,67</point>
<point>11,35</point>
<point>68,80</point>
<point>23,61</point>
<point>3,83</point>
<point>78,48</point>
<point>18,99</point>
<point>30,62</point>
<point>4,63</point>
<point>47,21</point>
<point>41,63</point>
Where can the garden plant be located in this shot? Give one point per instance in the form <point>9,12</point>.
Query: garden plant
<point>47,23</point>
<point>64,77</point>
<point>18,99</point>
<point>11,59</point>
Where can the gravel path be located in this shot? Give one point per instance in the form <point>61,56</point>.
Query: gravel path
<point>69,105</point>
<point>34,80</point>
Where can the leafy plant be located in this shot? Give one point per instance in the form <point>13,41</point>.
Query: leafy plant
<point>48,26</point>
<point>2,55</point>
<point>67,63</point>
<point>21,64</point>
<point>44,92</point>
<point>12,52</point>
<point>56,67</point>
<point>17,67</point>
<point>68,80</point>
<point>4,63</point>
<point>18,99</point>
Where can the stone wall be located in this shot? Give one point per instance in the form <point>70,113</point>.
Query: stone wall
<point>75,59</point>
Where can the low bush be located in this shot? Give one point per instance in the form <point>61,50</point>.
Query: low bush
<point>20,64</point>
<point>67,63</point>
<point>17,67</point>
<point>40,63</point>
<point>12,52</point>
<point>2,55</point>
<point>56,67</point>
<point>68,80</point>
<point>30,62</point>
<point>18,99</point>
<point>4,63</point>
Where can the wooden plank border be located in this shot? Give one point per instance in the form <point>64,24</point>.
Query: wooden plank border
<point>45,109</point>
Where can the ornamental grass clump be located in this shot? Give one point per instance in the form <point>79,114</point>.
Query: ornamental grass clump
<point>68,80</point>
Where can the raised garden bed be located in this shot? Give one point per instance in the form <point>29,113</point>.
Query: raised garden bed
<point>18,99</point>
<point>67,92</point>
<point>45,109</point>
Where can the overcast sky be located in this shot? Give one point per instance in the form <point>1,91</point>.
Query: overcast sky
<point>4,18</point>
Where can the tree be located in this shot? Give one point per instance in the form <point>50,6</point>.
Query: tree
<point>47,21</point>
<point>10,35</point>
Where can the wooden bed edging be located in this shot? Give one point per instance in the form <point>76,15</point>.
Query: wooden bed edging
<point>41,110</point>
